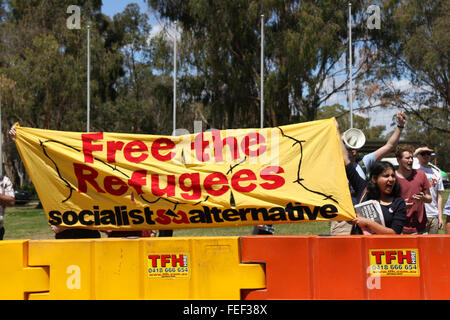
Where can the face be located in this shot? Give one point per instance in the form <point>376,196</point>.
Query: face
<point>424,157</point>
<point>406,161</point>
<point>385,181</point>
<point>352,153</point>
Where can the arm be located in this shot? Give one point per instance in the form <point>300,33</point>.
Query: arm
<point>427,196</point>
<point>398,207</point>
<point>7,198</point>
<point>439,205</point>
<point>439,189</point>
<point>395,137</point>
<point>57,229</point>
<point>424,196</point>
<point>447,213</point>
<point>7,201</point>
<point>358,184</point>
<point>372,225</point>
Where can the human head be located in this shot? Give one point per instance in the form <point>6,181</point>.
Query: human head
<point>352,153</point>
<point>404,154</point>
<point>423,153</point>
<point>382,180</point>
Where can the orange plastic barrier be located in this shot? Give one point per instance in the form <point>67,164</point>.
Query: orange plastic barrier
<point>287,265</point>
<point>351,267</point>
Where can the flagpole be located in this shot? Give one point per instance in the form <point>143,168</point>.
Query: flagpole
<point>88,78</point>
<point>1,136</point>
<point>350,99</point>
<point>174,121</point>
<point>262,71</point>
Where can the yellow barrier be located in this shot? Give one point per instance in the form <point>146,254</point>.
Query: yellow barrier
<point>18,279</point>
<point>176,268</point>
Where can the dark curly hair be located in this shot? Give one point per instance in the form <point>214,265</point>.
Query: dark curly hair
<point>373,192</point>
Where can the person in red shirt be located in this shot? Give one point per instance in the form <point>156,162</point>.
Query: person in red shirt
<point>415,190</point>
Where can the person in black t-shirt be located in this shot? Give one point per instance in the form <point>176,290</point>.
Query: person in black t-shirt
<point>383,187</point>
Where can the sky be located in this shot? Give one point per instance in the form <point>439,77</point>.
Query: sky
<point>111,7</point>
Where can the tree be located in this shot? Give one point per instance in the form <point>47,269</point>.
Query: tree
<point>220,50</point>
<point>144,94</point>
<point>47,63</point>
<point>43,67</point>
<point>305,42</point>
<point>410,68</point>
<point>419,130</point>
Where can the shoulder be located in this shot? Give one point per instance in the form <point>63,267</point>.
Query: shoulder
<point>424,169</point>
<point>437,174</point>
<point>419,174</point>
<point>400,178</point>
<point>369,158</point>
<point>429,170</point>
<point>5,181</point>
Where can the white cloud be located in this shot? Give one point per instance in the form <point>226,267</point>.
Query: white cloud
<point>167,29</point>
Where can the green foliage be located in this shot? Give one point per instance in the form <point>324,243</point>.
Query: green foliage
<point>409,69</point>
<point>419,130</point>
<point>43,68</point>
<point>409,63</point>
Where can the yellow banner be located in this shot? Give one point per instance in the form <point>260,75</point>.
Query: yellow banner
<point>116,181</point>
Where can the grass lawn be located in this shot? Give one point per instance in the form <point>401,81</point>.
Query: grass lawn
<point>27,222</point>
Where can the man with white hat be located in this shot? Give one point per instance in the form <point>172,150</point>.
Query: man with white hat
<point>354,141</point>
<point>433,210</point>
